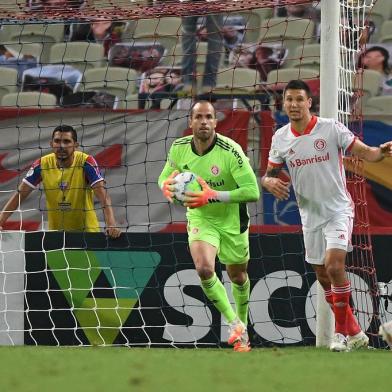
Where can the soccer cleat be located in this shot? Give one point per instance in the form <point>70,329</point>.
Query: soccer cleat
<point>242,345</point>
<point>360,340</point>
<point>386,332</point>
<point>236,329</point>
<point>339,343</point>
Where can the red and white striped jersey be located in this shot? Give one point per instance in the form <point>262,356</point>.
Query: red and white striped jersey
<point>315,163</point>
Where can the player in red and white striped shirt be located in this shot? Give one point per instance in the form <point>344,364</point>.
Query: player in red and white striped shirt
<point>312,148</point>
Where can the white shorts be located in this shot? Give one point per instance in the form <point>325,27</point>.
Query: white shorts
<point>335,234</point>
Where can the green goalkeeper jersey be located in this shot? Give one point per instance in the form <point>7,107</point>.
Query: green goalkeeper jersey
<point>224,167</point>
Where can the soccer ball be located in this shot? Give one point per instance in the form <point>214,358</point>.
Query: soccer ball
<point>185,182</point>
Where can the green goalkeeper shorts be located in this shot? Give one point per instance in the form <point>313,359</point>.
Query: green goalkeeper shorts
<point>232,248</point>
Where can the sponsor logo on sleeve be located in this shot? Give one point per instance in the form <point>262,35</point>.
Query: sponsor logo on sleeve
<point>237,156</point>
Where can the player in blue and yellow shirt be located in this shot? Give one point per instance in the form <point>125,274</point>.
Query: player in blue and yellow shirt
<point>70,179</point>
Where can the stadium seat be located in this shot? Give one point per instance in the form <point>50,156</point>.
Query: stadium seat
<point>287,74</point>
<point>8,81</point>
<point>81,55</point>
<point>386,32</point>
<point>173,55</point>
<point>29,100</point>
<point>166,104</point>
<point>129,28</point>
<point>254,19</point>
<point>380,12</point>
<point>44,34</point>
<point>369,82</point>
<point>165,26</point>
<point>169,43</point>
<point>382,104</point>
<point>12,5</point>
<point>37,32</point>
<point>33,49</point>
<point>117,81</point>
<point>387,39</point>
<point>108,3</point>
<point>253,23</point>
<point>287,32</point>
<point>264,13</point>
<point>131,102</point>
<point>201,57</point>
<point>236,80</point>
<point>307,56</point>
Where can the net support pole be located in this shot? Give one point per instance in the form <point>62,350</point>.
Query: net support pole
<point>329,92</point>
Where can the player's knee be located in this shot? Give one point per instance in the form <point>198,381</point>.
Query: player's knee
<point>323,278</point>
<point>204,271</point>
<point>238,277</point>
<point>334,271</point>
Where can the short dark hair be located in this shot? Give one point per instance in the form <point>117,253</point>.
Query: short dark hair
<point>297,84</point>
<point>383,51</point>
<point>66,128</point>
<point>202,101</point>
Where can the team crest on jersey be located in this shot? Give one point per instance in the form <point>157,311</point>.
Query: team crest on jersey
<point>30,172</point>
<point>215,170</point>
<point>195,230</point>
<point>63,185</point>
<point>320,144</point>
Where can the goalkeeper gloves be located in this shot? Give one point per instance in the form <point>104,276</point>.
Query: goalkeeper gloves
<point>168,186</point>
<point>205,196</point>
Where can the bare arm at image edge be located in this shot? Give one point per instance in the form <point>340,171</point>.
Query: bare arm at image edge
<point>102,195</point>
<point>15,202</point>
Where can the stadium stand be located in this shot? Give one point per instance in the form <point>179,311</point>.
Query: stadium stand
<point>29,100</point>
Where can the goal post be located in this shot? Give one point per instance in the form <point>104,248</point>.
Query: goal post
<point>142,290</point>
<point>329,106</point>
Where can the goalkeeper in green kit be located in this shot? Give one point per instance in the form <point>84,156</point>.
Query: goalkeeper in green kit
<point>218,219</point>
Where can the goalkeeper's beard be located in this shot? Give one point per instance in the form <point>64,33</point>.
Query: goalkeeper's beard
<point>204,135</point>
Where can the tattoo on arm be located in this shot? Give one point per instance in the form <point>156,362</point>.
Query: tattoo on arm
<point>272,172</point>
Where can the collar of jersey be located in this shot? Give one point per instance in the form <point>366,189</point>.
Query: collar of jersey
<point>208,149</point>
<point>309,128</point>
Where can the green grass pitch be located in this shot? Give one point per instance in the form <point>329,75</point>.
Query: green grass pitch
<point>96,369</point>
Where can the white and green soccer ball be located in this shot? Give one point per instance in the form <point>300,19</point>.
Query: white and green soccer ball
<point>185,182</point>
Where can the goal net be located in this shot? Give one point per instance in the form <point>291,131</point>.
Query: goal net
<point>124,74</point>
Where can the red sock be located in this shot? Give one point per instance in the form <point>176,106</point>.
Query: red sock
<point>341,297</point>
<point>351,323</point>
